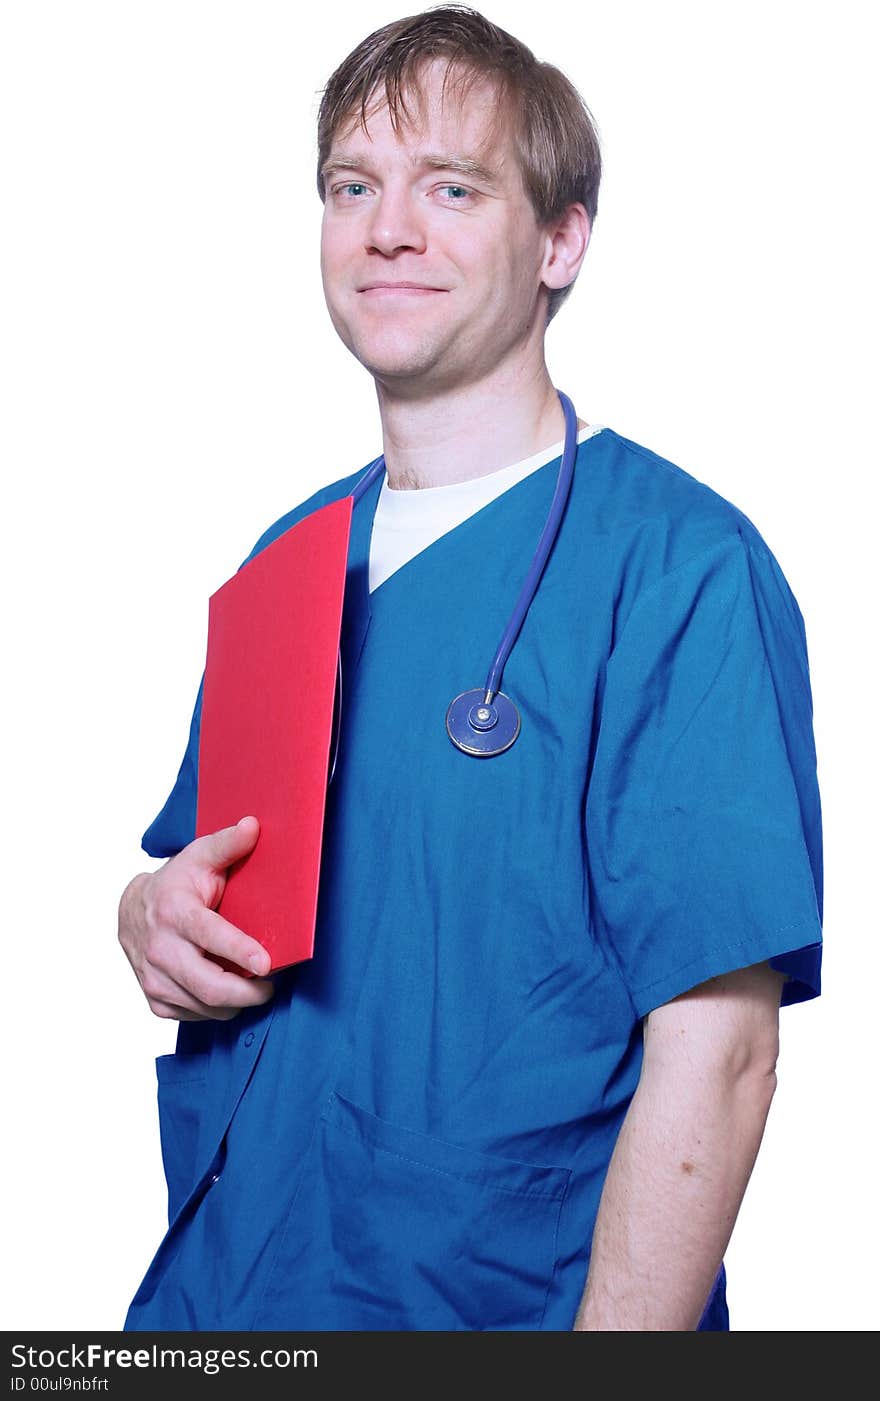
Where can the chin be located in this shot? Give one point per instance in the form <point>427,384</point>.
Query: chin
<point>391,358</point>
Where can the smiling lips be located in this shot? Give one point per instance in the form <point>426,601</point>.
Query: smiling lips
<point>394,289</point>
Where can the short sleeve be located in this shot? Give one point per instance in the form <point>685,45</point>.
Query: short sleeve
<point>175,826</point>
<point>703,818</point>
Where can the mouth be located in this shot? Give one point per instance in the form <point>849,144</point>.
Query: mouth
<point>399,289</point>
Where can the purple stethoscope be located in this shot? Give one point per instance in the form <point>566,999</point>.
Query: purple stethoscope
<point>485,722</point>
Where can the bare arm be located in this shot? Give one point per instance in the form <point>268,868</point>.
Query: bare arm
<point>684,1154</point>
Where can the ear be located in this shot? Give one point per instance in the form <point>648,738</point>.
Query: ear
<point>567,240</point>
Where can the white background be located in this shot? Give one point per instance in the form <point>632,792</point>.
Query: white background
<point>172,385</point>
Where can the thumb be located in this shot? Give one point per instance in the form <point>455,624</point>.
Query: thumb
<point>229,844</point>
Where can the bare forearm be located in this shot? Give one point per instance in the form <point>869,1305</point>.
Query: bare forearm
<point>674,1186</point>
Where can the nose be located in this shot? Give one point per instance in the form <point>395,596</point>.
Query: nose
<point>394,223</point>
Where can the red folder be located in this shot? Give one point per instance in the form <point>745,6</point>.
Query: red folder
<point>267,713</point>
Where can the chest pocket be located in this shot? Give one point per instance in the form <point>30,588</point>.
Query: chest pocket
<point>393,1229</point>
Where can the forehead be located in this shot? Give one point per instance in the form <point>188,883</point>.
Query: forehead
<point>465,119</point>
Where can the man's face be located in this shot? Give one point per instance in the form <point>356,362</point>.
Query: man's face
<point>398,209</point>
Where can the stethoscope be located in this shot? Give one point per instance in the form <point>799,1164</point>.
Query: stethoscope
<point>485,722</point>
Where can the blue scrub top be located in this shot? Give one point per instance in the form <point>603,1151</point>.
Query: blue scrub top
<point>415,1131</point>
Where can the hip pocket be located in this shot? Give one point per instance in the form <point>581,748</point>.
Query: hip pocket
<point>394,1229</point>
<point>181,1092</point>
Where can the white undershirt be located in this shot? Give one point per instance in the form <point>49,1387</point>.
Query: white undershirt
<point>407,522</point>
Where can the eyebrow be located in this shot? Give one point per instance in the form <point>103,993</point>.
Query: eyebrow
<point>462,165</point>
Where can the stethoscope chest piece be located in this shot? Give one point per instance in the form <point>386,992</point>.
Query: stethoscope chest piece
<point>480,727</point>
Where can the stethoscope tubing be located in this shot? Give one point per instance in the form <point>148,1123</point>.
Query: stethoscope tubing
<point>545,545</point>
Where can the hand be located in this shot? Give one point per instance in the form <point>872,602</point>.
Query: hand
<point>168,923</point>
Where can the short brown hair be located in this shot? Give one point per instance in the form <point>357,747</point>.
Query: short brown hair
<point>554,132</point>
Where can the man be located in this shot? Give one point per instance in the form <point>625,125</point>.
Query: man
<point>523,1081</point>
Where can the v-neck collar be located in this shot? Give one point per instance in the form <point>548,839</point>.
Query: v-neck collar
<point>357,611</point>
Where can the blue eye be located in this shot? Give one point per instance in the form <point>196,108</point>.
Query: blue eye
<point>348,187</point>
<point>460,189</point>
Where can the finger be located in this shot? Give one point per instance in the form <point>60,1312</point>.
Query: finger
<point>210,932</point>
<point>163,992</point>
<point>213,986</point>
<point>174,912</point>
<point>218,850</point>
<point>183,1014</point>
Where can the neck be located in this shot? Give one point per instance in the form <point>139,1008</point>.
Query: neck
<point>468,431</point>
